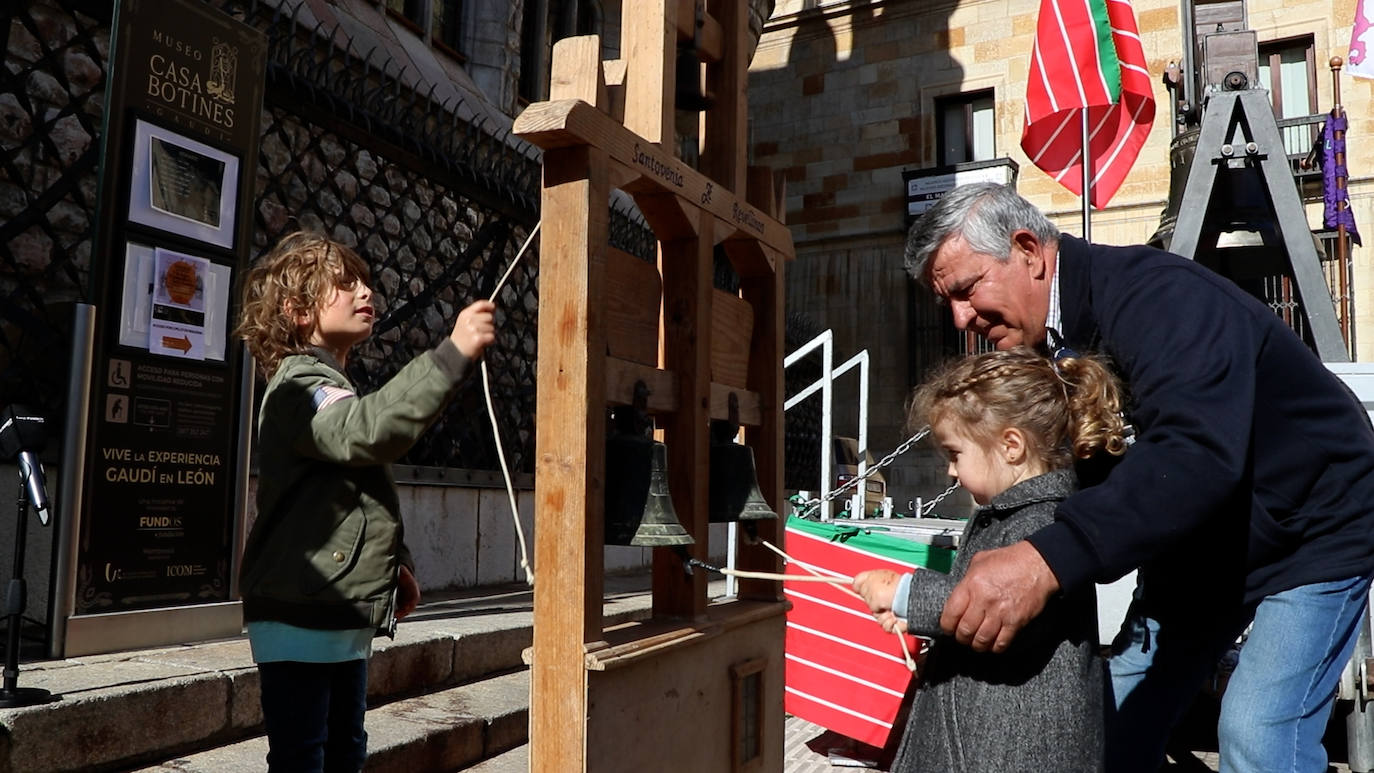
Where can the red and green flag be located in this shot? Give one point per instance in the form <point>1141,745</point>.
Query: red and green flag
<point>1087,56</point>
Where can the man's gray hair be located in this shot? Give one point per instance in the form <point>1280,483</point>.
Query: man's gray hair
<point>984,214</point>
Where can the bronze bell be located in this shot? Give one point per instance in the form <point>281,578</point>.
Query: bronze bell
<point>688,92</point>
<point>639,510</point>
<point>659,527</point>
<point>735,494</point>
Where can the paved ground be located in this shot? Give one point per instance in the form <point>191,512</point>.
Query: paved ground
<point>809,748</point>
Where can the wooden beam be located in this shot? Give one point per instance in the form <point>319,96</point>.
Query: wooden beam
<point>746,401</point>
<point>568,123</point>
<point>570,441</point>
<point>725,138</point>
<point>764,291</point>
<point>706,37</point>
<point>648,44</point>
<point>750,257</point>
<point>667,215</point>
<point>634,291</point>
<point>732,325</point>
<point>576,72</point>
<point>615,91</point>
<point>621,376</point>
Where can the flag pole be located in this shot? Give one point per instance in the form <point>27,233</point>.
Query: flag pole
<point>1087,181</point>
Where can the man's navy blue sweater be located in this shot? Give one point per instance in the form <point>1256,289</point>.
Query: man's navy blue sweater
<point>1253,469</point>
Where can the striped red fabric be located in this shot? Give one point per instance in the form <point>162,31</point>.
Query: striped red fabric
<point>844,672</point>
<point>1087,56</point>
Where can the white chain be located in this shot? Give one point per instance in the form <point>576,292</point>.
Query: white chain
<point>926,507</point>
<point>808,507</point>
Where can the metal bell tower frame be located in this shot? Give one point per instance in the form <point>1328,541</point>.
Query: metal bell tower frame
<point>1240,155</point>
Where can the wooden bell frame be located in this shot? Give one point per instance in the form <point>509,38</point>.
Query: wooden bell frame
<point>698,686</point>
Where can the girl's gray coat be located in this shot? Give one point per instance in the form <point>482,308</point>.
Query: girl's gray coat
<point>1035,707</point>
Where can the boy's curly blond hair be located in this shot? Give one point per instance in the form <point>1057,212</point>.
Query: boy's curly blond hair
<point>297,277</point>
<point>1068,408</point>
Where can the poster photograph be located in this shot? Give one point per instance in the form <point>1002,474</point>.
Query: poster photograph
<point>176,326</point>
<point>183,186</point>
<point>136,311</point>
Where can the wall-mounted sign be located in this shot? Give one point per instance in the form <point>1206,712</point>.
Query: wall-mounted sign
<point>925,186</point>
<point>161,511</point>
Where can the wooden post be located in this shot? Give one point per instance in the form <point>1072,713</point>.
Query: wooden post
<point>648,44</point>
<point>686,267</point>
<point>630,696</point>
<point>1342,239</point>
<point>726,137</point>
<point>764,291</point>
<point>570,423</point>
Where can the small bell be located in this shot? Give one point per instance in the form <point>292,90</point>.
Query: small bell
<point>638,508</point>
<point>735,494</point>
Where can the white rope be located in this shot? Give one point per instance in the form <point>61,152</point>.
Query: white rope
<point>496,429</point>
<point>906,651</point>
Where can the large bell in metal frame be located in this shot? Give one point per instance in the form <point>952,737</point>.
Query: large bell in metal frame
<point>639,510</point>
<point>735,494</point>
<point>1181,152</point>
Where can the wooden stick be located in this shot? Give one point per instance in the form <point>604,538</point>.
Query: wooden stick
<point>786,577</point>
<point>901,637</point>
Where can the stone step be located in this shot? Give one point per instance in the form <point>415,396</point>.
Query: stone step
<point>447,730</point>
<point>128,709</point>
<point>516,760</point>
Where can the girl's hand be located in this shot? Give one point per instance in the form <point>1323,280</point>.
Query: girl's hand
<point>407,593</point>
<point>475,329</point>
<point>890,622</point>
<point>877,587</point>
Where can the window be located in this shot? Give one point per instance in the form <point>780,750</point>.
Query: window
<point>964,128</point>
<point>534,50</point>
<point>1287,68</point>
<point>747,715</point>
<point>412,12</point>
<point>446,23</point>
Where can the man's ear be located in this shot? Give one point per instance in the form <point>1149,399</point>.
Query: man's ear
<point>1013,445</point>
<point>1028,246</point>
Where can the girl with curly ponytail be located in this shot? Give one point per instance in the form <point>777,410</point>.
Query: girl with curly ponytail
<point>1011,423</point>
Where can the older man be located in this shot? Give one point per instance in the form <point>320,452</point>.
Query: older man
<point>1248,495</point>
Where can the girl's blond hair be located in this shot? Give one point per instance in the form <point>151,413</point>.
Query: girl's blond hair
<point>1067,408</point>
<point>296,277</point>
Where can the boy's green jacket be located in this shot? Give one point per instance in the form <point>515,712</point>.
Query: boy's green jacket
<point>327,544</point>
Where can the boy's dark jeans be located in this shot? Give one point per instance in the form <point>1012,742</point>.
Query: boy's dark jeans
<point>314,716</point>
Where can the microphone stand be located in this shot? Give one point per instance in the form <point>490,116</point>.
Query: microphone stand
<point>16,598</point>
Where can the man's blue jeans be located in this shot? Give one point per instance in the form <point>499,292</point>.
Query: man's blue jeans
<point>314,716</point>
<point>1278,700</point>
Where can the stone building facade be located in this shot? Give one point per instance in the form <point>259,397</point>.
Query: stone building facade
<point>846,96</point>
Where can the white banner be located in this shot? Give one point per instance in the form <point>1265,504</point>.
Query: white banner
<point>1361,64</point>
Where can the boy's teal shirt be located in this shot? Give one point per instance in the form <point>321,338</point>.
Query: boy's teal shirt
<point>328,542</point>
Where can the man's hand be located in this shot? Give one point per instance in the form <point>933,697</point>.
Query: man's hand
<point>1003,590</point>
<point>407,593</point>
<point>877,587</point>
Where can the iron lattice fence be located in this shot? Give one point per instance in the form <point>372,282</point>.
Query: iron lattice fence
<point>430,193</point>
<point>51,105</point>
<point>432,251</point>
